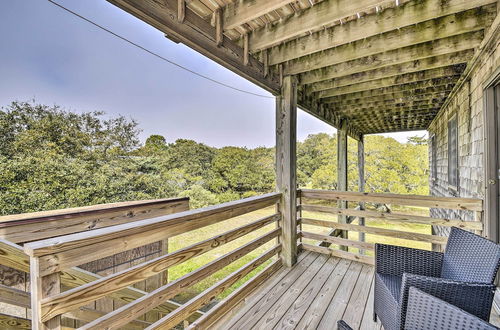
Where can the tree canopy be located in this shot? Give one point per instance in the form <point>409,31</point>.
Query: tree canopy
<point>53,158</point>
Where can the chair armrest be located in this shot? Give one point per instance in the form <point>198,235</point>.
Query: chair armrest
<point>475,298</point>
<point>396,260</point>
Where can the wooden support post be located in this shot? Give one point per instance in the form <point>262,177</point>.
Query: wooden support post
<point>286,136</point>
<point>342,170</point>
<point>43,287</point>
<point>361,183</point>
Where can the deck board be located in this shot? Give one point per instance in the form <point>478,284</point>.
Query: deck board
<point>314,294</point>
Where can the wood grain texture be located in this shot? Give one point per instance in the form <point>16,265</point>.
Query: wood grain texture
<point>140,306</point>
<point>472,20</point>
<point>76,249</point>
<point>227,304</point>
<point>75,277</point>
<point>27,227</point>
<point>286,167</point>
<point>84,294</point>
<point>378,231</point>
<point>438,47</point>
<point>13,322</point>
<point>174,318</point>
<point>395,217</point>
<point>400,18</point>
<point>339,253</point>
<point>14,296</point>
<point>338,240</point>
<point>456,203</point>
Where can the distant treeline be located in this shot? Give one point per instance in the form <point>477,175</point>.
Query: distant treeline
<point>52,158</point>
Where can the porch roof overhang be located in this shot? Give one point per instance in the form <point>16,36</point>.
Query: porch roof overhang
<point>382,66</point>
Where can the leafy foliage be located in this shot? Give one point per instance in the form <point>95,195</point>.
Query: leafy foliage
<point>52,158</point>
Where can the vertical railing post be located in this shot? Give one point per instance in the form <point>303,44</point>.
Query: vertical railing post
<point>286,136</point>
<point>342,171</point>
<point>43,287</point>
<point>361,183</point>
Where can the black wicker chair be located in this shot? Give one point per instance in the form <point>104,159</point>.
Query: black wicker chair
<point>426,312</point>
<point>462,276</point>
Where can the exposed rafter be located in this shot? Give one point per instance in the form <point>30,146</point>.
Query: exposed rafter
<point>455,60</point>
<point>325,13</point>
<point>367,107</point>
<point>240,12</point>
<point>393,91</point>
<point>452,25</point>
<point>315,18</point>
<point>423,76</point>
<point>429,49</point>
<point>382,65</point>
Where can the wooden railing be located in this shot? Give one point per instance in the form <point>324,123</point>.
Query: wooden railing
<point>21,228</point>
<point>314,201</point>
<point>51,260</point>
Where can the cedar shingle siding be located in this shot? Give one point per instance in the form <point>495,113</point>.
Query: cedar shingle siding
<point>465,108</point>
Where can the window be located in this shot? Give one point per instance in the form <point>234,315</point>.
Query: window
<point>433,159</point>
<point>453,152</point>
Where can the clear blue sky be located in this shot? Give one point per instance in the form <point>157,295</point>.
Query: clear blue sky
<point>56,58</point>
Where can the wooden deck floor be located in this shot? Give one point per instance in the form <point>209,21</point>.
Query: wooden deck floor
<point>314,294</point>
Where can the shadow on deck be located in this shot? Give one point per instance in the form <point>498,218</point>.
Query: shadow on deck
<point>314,294</point>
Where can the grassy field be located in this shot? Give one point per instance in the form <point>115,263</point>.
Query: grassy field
<point>192,237</point>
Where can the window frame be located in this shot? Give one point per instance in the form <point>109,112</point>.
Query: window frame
<point>453,178</point>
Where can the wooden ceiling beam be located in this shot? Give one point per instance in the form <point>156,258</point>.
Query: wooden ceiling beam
<point>238,13</point>
<point>393,97</point>
<point>409,86</point>
<point>469,21</point>
<point>310,104</point>
<point>428,49</point>
<point>406,91</point>
<point>362,113</point>
<point>403,79</point>
<point>385,105</point>
<point>322,14</point>
<point>199,35</point>
<point>397,130</point>
<point>428,63</point>
<point>318,16</point>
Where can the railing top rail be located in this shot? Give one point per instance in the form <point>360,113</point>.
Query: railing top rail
<point>471,204</point>
<point>189,219</point>
<point>68,213</point>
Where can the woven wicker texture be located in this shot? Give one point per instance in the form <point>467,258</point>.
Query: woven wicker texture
<point>426,312</point>
<point>469,289</point>
<point>470,258</point>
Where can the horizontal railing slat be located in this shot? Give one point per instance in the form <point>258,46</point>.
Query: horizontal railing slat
<point>92,291</point>
<point>394,217</point>
<point>125,314</point>
<point>235,297</point>
<point>338,240</point>
<point>14,257</point>
<point>377,231</point>
<point>174,318</point>
<point>14,296</point>
<point>339,253</point>
<point>28,227</point>
<point>76,249</point>
<point>471,204</point>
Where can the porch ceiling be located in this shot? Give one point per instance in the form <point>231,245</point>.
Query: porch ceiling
<point>383,66</point>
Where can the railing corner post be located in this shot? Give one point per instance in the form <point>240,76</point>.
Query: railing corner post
<point>43,287</point>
